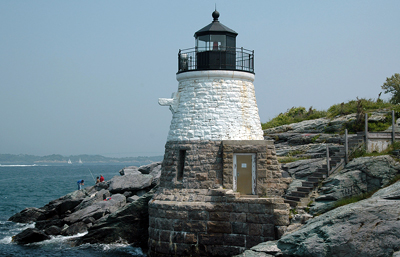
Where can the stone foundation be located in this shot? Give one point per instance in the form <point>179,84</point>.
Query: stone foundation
<point>192,222</point>
<point>269,178</point>
<point>209,165</point>
<point>202,165</point>
<point>195,212</point>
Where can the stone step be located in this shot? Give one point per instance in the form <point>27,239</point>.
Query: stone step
<point>291,203</point>
<point>322,171</point>
<point>248,196</point>
<point>299,193</point>
<point>314,179</point>
<point>340,154</point>
<point>319,174</point>
<point>305,189</point>
<point>293,198</point>
<point>309,184</point>
<point>333,163</point>
<point>336,158</point>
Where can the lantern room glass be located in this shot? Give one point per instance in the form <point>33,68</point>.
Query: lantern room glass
<point>214,42</point>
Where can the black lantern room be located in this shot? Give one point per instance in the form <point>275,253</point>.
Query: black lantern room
<point>216,50</point>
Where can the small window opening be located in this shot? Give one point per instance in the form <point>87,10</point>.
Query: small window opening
<point>181,164</point>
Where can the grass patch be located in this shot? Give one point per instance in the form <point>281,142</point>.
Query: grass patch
<point>289,159</point>
<point>359,106</point>
<point>353,199</point>
<point>294,115</point>
<point>351,107</point>
<point>315,138</point>
<point>356,198</point>
<point>389,151</point>
<point>394,180</point>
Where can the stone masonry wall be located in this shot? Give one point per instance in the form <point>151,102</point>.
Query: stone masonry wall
<point>214,105</point>
<point>269,177</point>
<point>209,165</point>
<point>198,214</point>
<point>202,165</point>
<point>211,222</point>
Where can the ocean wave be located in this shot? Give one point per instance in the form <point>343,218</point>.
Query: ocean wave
<point>125,247</point>
<point>6,240</point>
<point>9,229</point>
<point>59,239</point>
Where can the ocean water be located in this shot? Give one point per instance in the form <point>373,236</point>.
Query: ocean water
<point>34,186</point>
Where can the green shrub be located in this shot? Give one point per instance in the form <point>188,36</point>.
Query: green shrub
<point>315,138</point>
<point>351,107</point>
<point>294,115</point>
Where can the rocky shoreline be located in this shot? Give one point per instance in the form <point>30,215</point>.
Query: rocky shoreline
<point>111,211</point>
<point>117,210</point>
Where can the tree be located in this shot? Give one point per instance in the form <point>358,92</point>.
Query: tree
<point>392,85</point>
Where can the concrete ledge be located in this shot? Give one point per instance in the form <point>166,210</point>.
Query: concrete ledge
<point>247,142</point>
<point>225,74</point>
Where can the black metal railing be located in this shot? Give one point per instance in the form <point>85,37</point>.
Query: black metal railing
<point>220,59</point>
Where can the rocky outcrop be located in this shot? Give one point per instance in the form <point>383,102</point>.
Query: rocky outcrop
<point>359,176</point>
<point>101,210</point>
<point>30,235</point>
<point>300,170</point>
<point>369,227</point>
<point>324,125</point>
<point>128,224</point>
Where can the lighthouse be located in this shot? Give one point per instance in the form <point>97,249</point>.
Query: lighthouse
<point>217,169</point>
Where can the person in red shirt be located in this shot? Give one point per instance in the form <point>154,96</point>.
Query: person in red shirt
<point>101,178</point>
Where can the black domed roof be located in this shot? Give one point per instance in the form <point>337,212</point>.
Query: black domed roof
<point>215,27</point>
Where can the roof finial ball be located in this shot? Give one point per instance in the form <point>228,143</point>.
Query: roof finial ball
<point>215,15</point>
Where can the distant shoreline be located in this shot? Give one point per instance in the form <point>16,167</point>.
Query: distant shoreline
<point>75,160</point>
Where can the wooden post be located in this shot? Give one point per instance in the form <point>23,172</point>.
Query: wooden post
<point>393,128</point>
<point>366,132</point>
<point>346,147</point>
<point>327,160</point>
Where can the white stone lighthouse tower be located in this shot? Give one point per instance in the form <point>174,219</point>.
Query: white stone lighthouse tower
<point>216,160</point>
<point>215,98</point>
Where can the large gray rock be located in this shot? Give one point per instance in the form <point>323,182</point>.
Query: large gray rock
<point>307,126</point>
<point>76,228</point>
<point>67,205</point>
<point>97,197</point>
<point>359,176</point>
<point>130,182</point>
<point>300,170</point>
<point>30,235</point>
<point>28,215</point>
<point>129,170</point>
<point>324,124</point>
<point>266,249</point>
<point>128,224</point>
<point>97,209</point>
<point>146,169</point>
<point>367,228</point>
<point>303,168</point>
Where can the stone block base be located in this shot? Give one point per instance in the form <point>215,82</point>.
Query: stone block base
<point>223,225</point>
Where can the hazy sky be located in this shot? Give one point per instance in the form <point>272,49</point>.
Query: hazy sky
<point>84,77</point>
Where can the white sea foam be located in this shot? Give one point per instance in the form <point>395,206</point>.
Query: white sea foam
<point>60,239</point>
<point>6,240</point>
<point>135,251</point>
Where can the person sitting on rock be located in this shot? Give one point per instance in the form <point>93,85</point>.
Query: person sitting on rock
<point>101,178</point>
<point>97,180</point>
<point>80,184</point>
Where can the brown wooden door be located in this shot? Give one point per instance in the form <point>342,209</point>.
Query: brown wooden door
<point>244,174</point>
